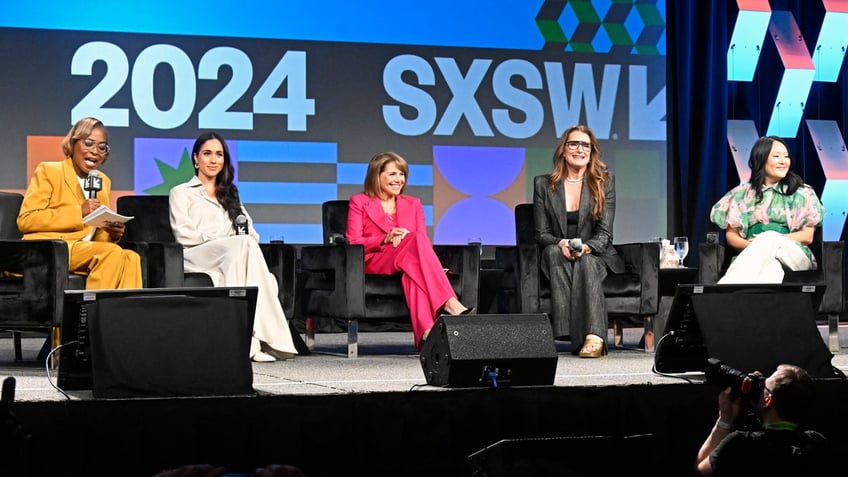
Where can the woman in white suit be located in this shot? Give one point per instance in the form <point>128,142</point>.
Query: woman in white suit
<point>203,217</point>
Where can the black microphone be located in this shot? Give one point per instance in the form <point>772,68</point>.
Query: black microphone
<point>241,224</point>
<point>575,245</point>
<point>93,184</point>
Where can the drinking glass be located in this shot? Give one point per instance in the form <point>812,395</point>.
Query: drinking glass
<point>681,247</point>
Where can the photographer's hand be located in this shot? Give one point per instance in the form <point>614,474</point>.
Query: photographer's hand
<point>729,406</point>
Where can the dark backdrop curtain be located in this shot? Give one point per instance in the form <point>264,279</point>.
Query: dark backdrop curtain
<point>699,160</point>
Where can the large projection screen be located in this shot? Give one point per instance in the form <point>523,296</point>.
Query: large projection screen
<point>473,94</point>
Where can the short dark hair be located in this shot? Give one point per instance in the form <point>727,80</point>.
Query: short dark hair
<point>794,392</point>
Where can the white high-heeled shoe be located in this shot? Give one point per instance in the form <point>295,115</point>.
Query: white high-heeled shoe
<point>262,357</point>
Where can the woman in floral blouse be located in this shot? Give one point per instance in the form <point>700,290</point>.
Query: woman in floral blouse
<point>771,219</point>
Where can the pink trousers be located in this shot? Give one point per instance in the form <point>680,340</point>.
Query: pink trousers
<point>424,282</point>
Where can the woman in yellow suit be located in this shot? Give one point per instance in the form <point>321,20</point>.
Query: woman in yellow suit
<point>55,204</point>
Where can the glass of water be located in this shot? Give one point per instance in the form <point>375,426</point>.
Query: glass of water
<point>681,247</point>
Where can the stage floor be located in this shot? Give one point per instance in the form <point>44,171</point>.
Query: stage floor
<point>387,362</point>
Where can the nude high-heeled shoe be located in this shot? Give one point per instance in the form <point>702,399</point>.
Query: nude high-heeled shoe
<point>593,347</point>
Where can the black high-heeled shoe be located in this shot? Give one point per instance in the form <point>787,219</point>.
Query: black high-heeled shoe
<point>467,311</point>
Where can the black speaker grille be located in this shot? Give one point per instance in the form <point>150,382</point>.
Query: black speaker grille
<point>490,350</point>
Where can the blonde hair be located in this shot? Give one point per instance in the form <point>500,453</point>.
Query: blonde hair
<point>81,130</point>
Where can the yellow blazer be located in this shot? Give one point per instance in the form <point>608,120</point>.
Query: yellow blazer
<point>51,206</point>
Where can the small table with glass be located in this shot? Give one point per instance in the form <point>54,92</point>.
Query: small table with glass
<point>669,277</point>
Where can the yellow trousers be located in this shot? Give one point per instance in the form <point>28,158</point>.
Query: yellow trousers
<point>107,265</point>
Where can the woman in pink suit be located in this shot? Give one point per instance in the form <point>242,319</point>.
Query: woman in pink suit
<point>391,227</point>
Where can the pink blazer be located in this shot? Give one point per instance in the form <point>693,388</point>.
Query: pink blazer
<point>368,225</point>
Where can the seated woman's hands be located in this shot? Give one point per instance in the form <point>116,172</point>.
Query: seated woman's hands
<point>115,230</point>
<point>572,254</point>
<point>395,236</point>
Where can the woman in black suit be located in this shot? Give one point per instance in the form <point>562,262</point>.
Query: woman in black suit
<point>573,210</point>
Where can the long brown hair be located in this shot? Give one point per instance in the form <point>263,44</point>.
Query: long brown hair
<point>378,163</point>
<point>596,174</point>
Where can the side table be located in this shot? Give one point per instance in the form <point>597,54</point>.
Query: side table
<point>669,278</point>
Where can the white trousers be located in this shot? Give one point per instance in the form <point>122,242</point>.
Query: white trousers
<point>764,259</point>
<point>238,261</point>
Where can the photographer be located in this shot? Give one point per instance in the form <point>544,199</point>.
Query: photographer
<point>780,401</point>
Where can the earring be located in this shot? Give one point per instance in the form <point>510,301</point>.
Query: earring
<point>195,165</point>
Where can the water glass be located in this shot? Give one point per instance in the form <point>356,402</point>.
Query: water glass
<point>681,247</point>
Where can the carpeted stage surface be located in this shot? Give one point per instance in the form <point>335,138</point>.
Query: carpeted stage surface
<point>376,416</point>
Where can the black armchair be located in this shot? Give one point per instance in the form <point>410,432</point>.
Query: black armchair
<point>152,226</point>
<point>334,284</point>
<point>714,258</point>
<point>632,294</point>
<point>34,276</point>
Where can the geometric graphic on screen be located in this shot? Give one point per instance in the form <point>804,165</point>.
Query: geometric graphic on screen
<point>797,75</point>
<point>281,206</point>
<point>479,189</point>
<point>798,71</point>
<point>160,164</point>
<point>741,135</point>
<point>799,68</point>
<point>831,151</point>
<point>634,27</point>
<point>746,41</point>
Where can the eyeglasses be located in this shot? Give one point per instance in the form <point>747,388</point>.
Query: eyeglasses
<point>573,145</point>
<point>102,147</point>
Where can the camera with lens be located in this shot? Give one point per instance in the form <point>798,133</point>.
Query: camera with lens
<point>747,385</point>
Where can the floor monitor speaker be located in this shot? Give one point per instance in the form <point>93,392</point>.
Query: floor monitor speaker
<point>748,327</point>
<point>490,351</point>
<point>158,342</point>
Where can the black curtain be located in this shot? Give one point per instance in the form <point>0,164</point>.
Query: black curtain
<point>700,166</point>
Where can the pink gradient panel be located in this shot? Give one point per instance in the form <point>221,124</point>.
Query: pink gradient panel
<point>789,41</point>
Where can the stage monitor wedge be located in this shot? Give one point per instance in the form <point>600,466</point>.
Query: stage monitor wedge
<point>490,351</point>
<point>158,341</point>
<point>748,327</point>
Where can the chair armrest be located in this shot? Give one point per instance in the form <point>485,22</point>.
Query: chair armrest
<point>711,262</point>
<point>643,258</point>
<point>43,267</point>
<point>463,260</point>
<point>337,272</point>
<point>282,262</point>
<point>142,249</point>
<point>831,262</point>
<point>527,278</point>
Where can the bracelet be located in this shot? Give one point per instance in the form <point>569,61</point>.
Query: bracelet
<point>724,425</point>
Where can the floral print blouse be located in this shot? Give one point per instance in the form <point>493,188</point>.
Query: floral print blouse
<point>739,209</point>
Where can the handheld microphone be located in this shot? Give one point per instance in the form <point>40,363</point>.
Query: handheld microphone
<point>575,245</point>
<point>241,224</point>
<point>93,184</point>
